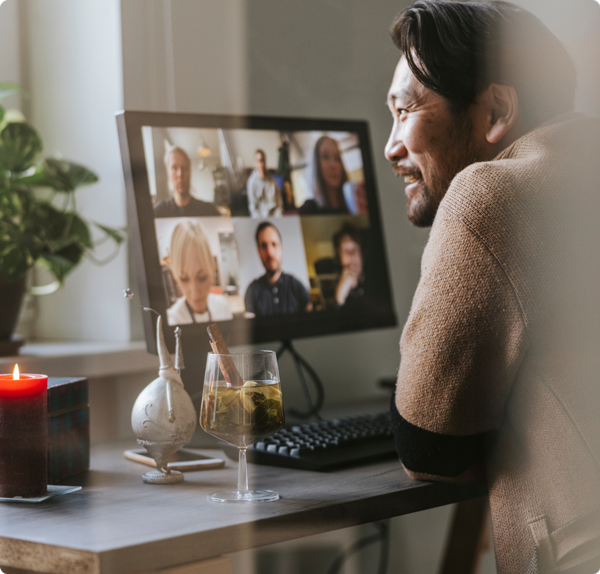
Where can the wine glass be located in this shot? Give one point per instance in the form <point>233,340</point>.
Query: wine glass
<point>242,404</point>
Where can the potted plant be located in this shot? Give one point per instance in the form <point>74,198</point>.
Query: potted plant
<point>39,222</point>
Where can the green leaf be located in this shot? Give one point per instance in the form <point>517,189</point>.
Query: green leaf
<point>80,232</point>
<point>2,111</point>
<point>60,264</point>
<point>117,236</point>
<point>59,174</point>
<point>61,229</point>
<point>9,89</point>
<point>20,144</point>
<point>20,244</point>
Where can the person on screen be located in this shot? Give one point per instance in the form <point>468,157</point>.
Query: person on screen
<point>351,291</point>
<point>332,192</point>
<point>193,268</point>
<point>276,292</point>
<point>181,203</point>
<point>264,195</point>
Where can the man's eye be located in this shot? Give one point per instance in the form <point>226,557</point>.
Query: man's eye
<point>401,112</point>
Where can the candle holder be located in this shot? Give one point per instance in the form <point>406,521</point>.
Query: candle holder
<point>53,490</point>
<point>163,416</point>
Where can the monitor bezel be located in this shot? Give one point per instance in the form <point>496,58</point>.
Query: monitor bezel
<point>140,215</point>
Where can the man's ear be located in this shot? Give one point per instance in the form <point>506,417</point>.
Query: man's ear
<point>502,105</point>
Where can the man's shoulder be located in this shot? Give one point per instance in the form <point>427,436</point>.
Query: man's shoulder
<point>257,283</point>
<point>526,170</point>
<point>291,281</point>
<point>202,207</point>
<point>164,208</point>
<point>480,186</point>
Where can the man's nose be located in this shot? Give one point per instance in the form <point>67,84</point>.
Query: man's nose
<point>395,149</point>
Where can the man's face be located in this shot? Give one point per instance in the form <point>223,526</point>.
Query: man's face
<point>269,249</point>
<point>350,255</point>
<point>428,144</point>
<point>261,165</point>
<point>178,168</point>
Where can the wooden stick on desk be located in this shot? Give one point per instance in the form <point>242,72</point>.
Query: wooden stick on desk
<point>232,375</point>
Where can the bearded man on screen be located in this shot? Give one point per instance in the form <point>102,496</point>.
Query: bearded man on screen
<point>500,368</point>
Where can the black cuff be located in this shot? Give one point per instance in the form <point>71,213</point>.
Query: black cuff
<point>428,452</point>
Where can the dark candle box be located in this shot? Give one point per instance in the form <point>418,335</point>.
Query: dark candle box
<point>68,428</point>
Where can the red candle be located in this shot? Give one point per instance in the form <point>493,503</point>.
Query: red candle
<point>23,435</point>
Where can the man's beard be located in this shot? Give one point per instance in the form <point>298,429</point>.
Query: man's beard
<point>272,272</point>
<point>461,152</point>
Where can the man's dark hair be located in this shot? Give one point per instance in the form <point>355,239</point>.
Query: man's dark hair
<point>347,230</point>
<point>457,49</point>
<point>263,225</point>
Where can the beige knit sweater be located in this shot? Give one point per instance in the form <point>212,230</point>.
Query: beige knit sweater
<point>504,335</point>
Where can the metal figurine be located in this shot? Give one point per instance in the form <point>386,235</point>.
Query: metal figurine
<point>163,416</point>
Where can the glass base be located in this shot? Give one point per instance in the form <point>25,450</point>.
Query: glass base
<point>248,496</point>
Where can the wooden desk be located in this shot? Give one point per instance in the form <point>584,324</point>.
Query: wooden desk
<point>119,525</point>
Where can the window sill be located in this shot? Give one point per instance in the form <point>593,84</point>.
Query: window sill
<point>82,358</point>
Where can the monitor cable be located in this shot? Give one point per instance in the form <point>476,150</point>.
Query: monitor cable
<point>302,365</point>
<point>382,535</point>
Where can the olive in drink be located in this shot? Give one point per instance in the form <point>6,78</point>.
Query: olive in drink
<point>244,414</point>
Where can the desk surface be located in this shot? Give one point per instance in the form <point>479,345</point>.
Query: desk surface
<point>119,525</point>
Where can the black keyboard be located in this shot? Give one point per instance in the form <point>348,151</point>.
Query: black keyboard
<point>325,445</point>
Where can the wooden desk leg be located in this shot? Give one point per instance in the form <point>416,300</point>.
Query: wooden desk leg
<point>221,565</point>
<point>469,537</point>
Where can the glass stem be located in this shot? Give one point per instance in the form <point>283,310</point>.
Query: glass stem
<point>242,471</point>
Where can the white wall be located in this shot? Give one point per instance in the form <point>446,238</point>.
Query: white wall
<point>577,24</point>
<point>72,71</point>
<point>184,55</point>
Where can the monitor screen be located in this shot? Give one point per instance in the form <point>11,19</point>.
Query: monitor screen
<point>268,226</point>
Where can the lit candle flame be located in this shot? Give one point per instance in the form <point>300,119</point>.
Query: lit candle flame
<point>16,376</point>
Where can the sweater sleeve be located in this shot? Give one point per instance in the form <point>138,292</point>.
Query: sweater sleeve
<point>460,352</point>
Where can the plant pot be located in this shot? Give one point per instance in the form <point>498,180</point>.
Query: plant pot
<point>11,300</point>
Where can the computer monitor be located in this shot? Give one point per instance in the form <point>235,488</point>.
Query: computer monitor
<point>269,226</point>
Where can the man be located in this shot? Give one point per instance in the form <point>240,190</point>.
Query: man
<point>276,292</point>
<point>264,195</point>
<point>181,204</point>
<point>499,357</point>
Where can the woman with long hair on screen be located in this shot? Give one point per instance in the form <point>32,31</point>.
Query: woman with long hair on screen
<point>332,191</point>
<point>193,268</point>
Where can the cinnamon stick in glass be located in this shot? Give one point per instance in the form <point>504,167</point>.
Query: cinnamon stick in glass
<point>219,347</point>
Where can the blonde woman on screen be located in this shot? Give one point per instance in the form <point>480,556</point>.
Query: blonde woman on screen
<point>192,266</point>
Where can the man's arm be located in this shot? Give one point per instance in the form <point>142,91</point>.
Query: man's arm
<point>460,351</point>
